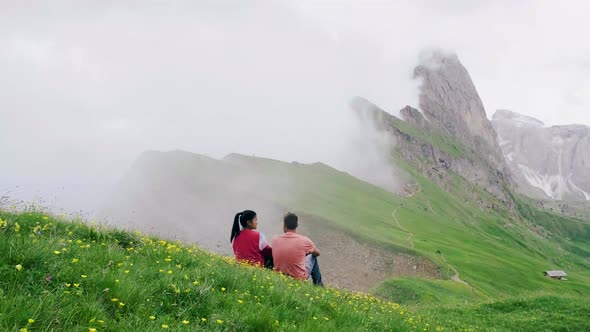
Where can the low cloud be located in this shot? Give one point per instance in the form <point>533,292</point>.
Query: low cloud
<point>86,88</point>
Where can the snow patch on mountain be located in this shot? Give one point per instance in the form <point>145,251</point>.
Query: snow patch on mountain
<point>554,186</point>
<point>586,195</point>
<point>551,160</point>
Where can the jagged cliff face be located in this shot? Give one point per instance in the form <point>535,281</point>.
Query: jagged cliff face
<point>451,133</point>
<point>552,162</point>
<point>450,102</point>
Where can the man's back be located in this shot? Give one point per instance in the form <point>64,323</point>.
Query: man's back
<point>289,251</point>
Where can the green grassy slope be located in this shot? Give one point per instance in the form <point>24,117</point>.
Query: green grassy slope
<point>539,313</point>
<point>57,275</point>
<point>497,251</point>
<point>60,275</point>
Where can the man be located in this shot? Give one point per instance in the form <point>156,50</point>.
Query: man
<point>294,254</point>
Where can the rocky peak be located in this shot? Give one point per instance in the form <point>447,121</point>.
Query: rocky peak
<point>453,133</point>
<point>413,116</point>
<point>449,101</point>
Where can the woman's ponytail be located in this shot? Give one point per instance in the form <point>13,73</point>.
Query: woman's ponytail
<point>235,230</point>
<point>241,218</point>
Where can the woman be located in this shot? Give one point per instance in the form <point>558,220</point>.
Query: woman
<point>248,244</point>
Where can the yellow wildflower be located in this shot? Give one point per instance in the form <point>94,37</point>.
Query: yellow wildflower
<point>126,271</point>
<point>76,285</point>
<point>195,282</point>
<point>115,299</point>
<point>75,260</point>
<point>164,326</point>
<point>203,319</point>
<point>57,252</point>
<point>24,329</point>
<point>91,329</point>
<point>83,276</point>
<point>116,280</point>
<point>223,289</point>
<point>169,271</point>
<point>19,267</point>
<point>240,301</point>
<point>121,304</point>
<point>219,321</point>
<point>185,322</point>
<point>152,317</point>
<point>31,320</point>
<point>16,227</point>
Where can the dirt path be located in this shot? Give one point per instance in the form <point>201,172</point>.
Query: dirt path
<point>430,207</point>
<point>410,234</point>
<point>455,277</point>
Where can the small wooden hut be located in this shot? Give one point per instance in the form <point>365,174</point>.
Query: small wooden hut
<point>559,275</point>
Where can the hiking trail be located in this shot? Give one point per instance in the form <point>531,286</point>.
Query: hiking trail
<point>410,234</point>
<point>455,277</point>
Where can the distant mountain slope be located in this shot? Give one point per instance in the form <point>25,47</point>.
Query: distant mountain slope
<point>549,162</point>
<point>194,198</point>
<point>369,234</point>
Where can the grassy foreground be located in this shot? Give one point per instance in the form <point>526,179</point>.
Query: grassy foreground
<point>59,275</point>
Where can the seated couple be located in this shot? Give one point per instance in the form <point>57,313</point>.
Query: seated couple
<point>290,253</point>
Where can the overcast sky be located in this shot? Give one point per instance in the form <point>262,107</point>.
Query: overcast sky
<point>85,86</point>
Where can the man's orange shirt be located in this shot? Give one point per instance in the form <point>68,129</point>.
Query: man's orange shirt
<point>289,251</point>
